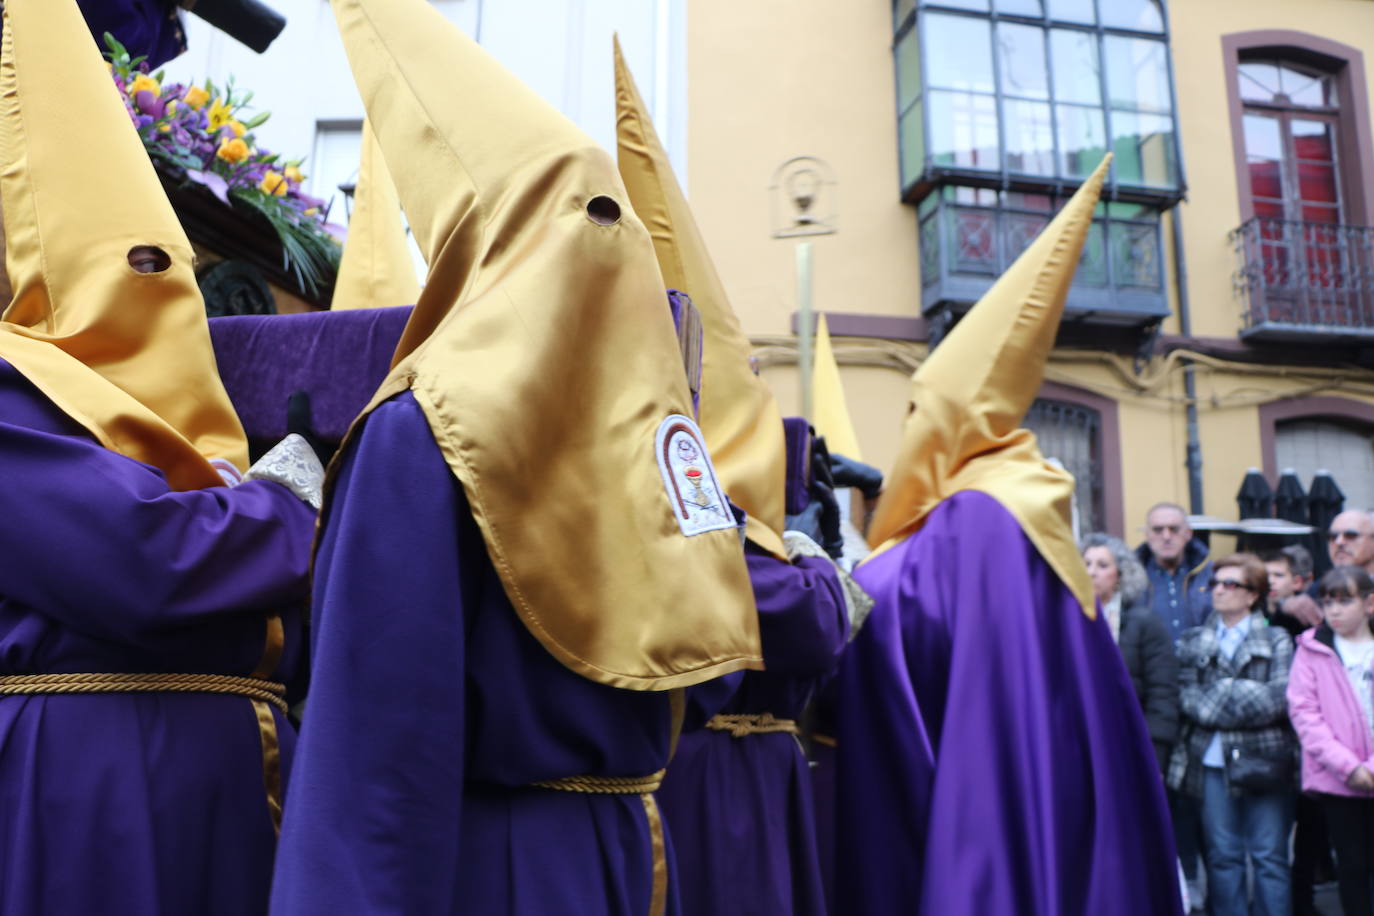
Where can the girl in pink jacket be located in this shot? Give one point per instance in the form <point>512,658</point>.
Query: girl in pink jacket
<point>1331,703</point>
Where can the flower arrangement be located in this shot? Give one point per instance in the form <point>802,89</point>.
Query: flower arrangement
<point>202,134</point>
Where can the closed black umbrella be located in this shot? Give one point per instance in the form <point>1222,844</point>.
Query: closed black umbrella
<point>1290,503</point>
<point>1290,500</point>
<point>1325,501</point>
<point>1255,500</point>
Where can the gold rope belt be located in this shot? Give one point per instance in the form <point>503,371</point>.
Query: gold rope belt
<point>644,787</point>
<point>606,785</point>
<point>743,724</point>
<point>253,688</point>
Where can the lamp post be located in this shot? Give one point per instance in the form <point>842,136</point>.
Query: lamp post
<point>806,334</point>
<point>804,200</point>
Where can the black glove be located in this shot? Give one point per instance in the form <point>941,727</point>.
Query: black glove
<point>299,421</point>
<point>807,521</point>
<point>846,472</point>
<point>822,492</point>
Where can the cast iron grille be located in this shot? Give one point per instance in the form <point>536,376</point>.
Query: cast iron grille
<point>1305,277</point>
<point>1072,434</point>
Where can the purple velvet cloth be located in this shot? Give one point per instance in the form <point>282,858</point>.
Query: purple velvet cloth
<point>432,710</point>
<point>797,435</point>
<point>135,803</point>
<point>145,27</point>
<point>338,358</point>
<point>740,808</point>
<point>992,755</point>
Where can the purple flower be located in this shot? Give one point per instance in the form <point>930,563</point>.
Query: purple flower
<point>149,104</point>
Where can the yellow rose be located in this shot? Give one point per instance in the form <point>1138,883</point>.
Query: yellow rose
<point>144,83</point>
<point>165,128</point>
<point>171,106</point>
<point>233,150</point>
<point>273,183</point>
<point>196,97</point>
<point>294,174</point>
<point>238,129</point>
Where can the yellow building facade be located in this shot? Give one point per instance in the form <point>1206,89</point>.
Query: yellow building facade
<point>1224,314</point>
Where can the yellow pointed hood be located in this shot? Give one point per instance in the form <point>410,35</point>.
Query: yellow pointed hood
<point>126,355</point>
<point>969,397</point>
<point>827,399</point>
<point>739,415</point>
<point>375,269</point>
<point>544,357</point>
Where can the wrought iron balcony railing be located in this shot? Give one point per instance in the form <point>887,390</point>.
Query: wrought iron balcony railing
<point>1304,280</point>
<point>965,246</point>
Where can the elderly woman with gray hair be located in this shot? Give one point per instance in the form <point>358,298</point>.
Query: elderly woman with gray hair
<point>1122,590</point>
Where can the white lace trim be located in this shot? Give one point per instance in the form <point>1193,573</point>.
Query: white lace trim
<point>293,464</point>
<point>857,602</point>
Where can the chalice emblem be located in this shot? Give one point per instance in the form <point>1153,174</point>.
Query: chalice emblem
<point>696,478</point>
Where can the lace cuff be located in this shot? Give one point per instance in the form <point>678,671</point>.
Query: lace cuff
<point>857,602</point>
<point>293,464</point>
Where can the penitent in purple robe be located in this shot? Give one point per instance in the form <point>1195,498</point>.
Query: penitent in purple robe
<point>432,711</point>
<point>139,802</point>
<point>741,808</point>
<point>992,756</point>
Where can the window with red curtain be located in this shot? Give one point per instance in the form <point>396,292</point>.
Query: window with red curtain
<point>1291,116</point>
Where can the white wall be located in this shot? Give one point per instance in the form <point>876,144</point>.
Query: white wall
<point>561,49</point>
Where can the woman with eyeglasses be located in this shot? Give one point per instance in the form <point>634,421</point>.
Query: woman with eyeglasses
<point>1331,702</point>
<point>1237,752</point>
<point>1121,587</point>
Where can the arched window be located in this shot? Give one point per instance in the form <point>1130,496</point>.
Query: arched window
<point>1072,434</point>
<point>1300,126</point>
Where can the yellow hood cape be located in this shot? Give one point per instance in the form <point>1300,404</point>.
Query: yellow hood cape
<point>544,357</point>
<point>126,355</point>
<point>969,397</point>
<point>375,269</point>
<point>739,415</point>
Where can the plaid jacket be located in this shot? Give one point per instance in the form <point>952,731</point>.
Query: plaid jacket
<point>1244,699</point>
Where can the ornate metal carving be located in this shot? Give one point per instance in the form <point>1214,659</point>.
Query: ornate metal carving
<point>1317,276</point>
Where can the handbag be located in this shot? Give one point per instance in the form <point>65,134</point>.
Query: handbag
<point>1254,772</point>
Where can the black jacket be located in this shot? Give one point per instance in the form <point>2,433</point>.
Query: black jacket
<point>1149,655</point>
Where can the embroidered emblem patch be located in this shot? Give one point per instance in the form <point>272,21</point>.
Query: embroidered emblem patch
<point>696,496</point>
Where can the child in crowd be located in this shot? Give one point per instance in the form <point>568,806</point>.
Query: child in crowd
<point>1293,606</point>
<point>1291,596</point>
<point>1331,703</point>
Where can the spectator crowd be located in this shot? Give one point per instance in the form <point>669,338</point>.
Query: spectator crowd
<point>1256,680</point>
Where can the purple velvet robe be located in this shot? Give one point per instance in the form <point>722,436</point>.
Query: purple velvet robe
<point>740,808</point>
<point>433,709</point>
<point>992,755</point>
<point>138,802</point>
<point>337,358</point>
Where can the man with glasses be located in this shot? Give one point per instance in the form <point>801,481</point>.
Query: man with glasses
<point>1179,571</point>
<point>1350,539</point>
<point>1177,567</point>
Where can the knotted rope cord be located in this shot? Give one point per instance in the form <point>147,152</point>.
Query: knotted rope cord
<point>606,785</point>
<point>741,724</point>
<point>251,687</point>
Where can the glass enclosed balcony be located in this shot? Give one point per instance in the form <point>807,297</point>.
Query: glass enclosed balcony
<point>969,236</point>
<point>1029,95</point>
